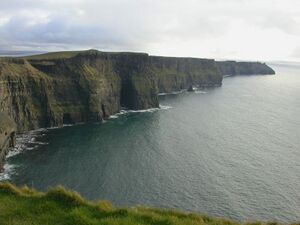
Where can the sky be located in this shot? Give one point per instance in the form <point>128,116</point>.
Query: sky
<point>221,29</point>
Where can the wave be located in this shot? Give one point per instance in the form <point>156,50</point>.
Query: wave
<point>8,171</point>
<point>200,92</point>
<point>173,93</point>
<point>124,111</point>
<point>196,90</point>
<point>64,125</point>
<point>24,142</point>
<point>27,141</point>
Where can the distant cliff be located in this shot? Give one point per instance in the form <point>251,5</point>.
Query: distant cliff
<point>69,87</point>
<point>244,68</point>
<point>174,74</point>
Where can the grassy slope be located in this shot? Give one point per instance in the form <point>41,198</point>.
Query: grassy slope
<point>54,55</point>
<point>24,206</point>
<point>70,54</point>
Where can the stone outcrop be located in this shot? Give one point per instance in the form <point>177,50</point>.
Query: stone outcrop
<point>7,136</point>
<point>70,87</point>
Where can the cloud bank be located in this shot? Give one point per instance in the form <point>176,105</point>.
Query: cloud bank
<point>237,29</point>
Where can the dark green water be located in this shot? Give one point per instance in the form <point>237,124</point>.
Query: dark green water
<point>232,151</point>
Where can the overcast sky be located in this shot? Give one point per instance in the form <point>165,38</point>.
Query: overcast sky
<point>234,29</point>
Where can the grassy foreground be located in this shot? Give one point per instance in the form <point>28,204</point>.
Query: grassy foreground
<point>24,206</point>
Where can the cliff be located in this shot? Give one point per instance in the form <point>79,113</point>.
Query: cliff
<point>7,136</point>
<point>175,74</point>
<point>59,206</point>
<point>69,87</point>
<point>243,68</point>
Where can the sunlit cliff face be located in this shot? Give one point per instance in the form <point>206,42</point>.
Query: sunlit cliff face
<point>257,29</point>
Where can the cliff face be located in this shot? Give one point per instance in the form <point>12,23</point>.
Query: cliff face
<point>70,87</point>
<point>23,93</point>
<point>243,68</point>
<point>174,74</point>
<point>138,82</point>
<point>43,93</point>
<point>7,136</point>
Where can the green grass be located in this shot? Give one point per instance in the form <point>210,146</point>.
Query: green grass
<point>71,54</point>
<point>54,55</point>
<point>58,206</point>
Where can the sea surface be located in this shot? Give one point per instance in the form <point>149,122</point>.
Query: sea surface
<point>232,151</point>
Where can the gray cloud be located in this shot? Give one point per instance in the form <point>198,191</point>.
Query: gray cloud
<point>284,22</point>
<point>145,25</point>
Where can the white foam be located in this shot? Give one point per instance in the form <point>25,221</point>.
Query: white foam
<point>172,93</point>
<point>27,141</point>
<point>162,94</point>
<point>68,125</point>
<point>200,92</point>
<point>165,107</point>
<point>64,125</point>
<point>8,171</point>
<point>151,110</point>
<point>196,89</point>
<point>24,142</point>
<point>113,117</point>
<point>53,128</point>
<point>39,143</point>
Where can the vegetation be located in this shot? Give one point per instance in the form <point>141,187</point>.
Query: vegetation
<point>25,206</point>
<point>70,54</point>
<point>54,55</point>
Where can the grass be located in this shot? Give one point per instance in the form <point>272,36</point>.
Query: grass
<point>58,206</point>
<point>71,54</point>
<point>53,55</point>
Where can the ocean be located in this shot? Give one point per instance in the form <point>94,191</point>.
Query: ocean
<point>231,151</point>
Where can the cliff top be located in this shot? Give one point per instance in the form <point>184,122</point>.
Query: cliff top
<point>71,54</point>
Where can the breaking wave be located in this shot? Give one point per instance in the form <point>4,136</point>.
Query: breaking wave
<point>200,92</point>
<point>173,92</point>
<point>27,141</point>
<point>124,111</point>
<point>8,170</point>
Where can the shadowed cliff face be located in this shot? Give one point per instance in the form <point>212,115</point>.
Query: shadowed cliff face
<point>70,87</point>
<point>174,74</point>
<point>138,83</point>
<point>7,136</point>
